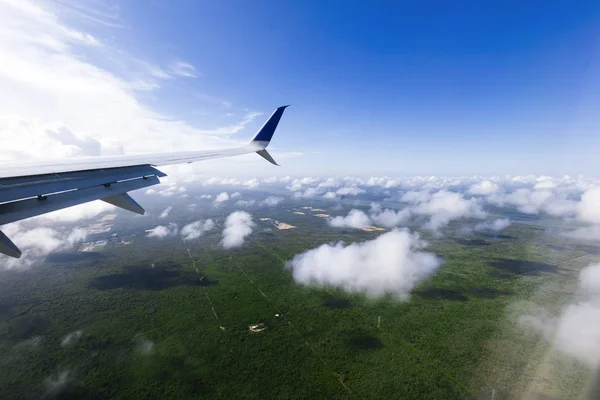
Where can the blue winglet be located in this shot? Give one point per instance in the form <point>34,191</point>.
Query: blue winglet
<point>266,132</point>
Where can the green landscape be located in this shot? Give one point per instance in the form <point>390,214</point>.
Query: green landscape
<point>165,318</point>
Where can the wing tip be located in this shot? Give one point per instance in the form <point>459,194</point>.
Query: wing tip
<point>265,134</point>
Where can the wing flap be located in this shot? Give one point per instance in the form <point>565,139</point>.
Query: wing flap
<point>17,210</point>
<point>39,185</point>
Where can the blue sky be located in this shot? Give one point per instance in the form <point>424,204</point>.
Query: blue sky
<point>396,88</point>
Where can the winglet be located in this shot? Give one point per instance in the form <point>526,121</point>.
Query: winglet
<point>125,201</point>
<point>264,135</point>
<point>8,247</point>
<point>265,154</point>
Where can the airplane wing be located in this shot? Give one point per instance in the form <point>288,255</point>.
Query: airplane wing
<point>31,188</point>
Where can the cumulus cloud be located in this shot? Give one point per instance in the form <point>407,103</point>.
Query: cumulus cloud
<point>415,197</point>
<point>165,213</point>
<point>206,196</point>
<point>245,203</point>
<point>390,218</point>
<point>375,207</point>
<point>162,231</point>
<point>167,189</point>
<point>496,225</point>
<point>576,330</point>
<point>355,219</point>
<point>221,197</point>
<point>272,201</point>
<point>445,206</point>
<point>484,188</point>
<point>588,209</point>
<point>238,226</point>
<point>195,229</point>
<point>351,191</point>
<point>384,182</point>
<point>37,243</point>
<point>252,183</point>
<point>308,192</point>
<point>392,263</point>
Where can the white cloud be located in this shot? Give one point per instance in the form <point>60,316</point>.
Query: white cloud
<point>245,203</point>
<point>272,201</point>
<point>445,206</point>
<point>252,183</point>
<point>206,196</point>
<point>375,207</point>
<point>390,218</point>
<point>415,197</point>
<point>71,338</point>
<point>384,182</point>
<point>165,213</point>
<point>309,192</point>
<point>588,209</point>
<point>195,229</point>
<point>392,263</point>
<point>221,197</point>
<point>162,231</point>
<point>65,92</point>
<point>329,183</point>
<point>351,190</point>
<point>76,213</point>
<point>236,195</point>
<point>355,219</point>
<point>184,69</point>
<point>167,189</point>
<point>330,195</point>
<point>238,226</point>
<point>496,225</point>
<point>38,242</point>
<point>576,330</point>
<point>585,233</point>
<point>484,188</point>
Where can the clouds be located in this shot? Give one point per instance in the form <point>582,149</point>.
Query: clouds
<point>349,191</point>
<point>165,213</point>
<point>221,198</point>
<point>496,225</point>
<point>444,206</point>
<point>238,226</point>
<point>37,243</point>
<point>392,263</point>
<point>390,218</point>
<point>67,92</point>
<point>272,201</point>
<point>484,188</point>
<point>184,69</point>
<point>163,231</point>
<point>195,229</point>
<point>588,209</point>
<point>355,219</point>
<point>576,330</point>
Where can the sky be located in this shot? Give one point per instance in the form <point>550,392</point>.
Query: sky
<point>384,88</point>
